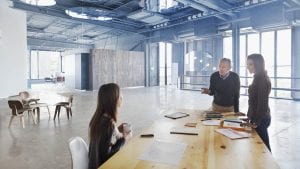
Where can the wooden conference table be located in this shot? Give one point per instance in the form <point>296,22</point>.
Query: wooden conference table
<point>208,150</point>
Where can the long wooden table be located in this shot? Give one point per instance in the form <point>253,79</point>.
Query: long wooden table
<point>208,150</point>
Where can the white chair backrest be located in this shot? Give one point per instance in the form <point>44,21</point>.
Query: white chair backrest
<point>79,153</point>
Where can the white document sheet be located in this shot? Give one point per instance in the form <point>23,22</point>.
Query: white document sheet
<point>232,134</point>
<point>164,152</point>
<point>211,122</point>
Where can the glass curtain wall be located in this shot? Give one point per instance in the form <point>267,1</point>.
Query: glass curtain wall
<point>275,46</point>
<point>44,64</point>
<point>165,63</point>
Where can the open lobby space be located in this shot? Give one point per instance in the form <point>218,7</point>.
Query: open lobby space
<point>149,84</point>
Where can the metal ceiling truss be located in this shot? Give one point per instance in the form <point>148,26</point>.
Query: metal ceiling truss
<point>62,14</point>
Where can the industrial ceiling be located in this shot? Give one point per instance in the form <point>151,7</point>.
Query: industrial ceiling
<point>56,28</point>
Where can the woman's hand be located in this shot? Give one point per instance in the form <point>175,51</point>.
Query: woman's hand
<point>205,91</point>
<point>126,130</point>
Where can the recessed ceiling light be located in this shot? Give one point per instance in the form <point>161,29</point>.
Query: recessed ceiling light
<point>40,2</point>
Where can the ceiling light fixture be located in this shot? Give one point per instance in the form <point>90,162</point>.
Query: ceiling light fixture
<point>82,14</point>
<point>40,2</point>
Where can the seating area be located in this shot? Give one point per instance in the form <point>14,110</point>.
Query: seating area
<point>24,102</point>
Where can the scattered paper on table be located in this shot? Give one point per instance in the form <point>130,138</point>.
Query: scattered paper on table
<point>232,134</point>
<point>211,122</point>
<point>164,152</point>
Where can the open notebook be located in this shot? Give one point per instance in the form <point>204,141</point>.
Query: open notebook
<point>176,115</point>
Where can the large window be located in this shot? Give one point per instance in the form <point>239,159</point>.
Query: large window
<point>253,43</point>
<point>34,65</point>
<point>45,64</point>
<point>165,4</point>
<point>227,46</point>
<point>283,62</point>
<point>267,50</point>
<point>165,63</point>
<point>243,67</point>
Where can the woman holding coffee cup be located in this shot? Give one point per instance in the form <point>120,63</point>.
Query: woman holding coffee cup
<point>105,137</point>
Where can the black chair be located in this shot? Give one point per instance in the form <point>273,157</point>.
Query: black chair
<point>66,105</point>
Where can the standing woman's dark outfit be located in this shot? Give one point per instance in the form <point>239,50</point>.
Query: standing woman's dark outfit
<point>259,111</point>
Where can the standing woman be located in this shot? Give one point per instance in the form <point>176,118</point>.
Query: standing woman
<point>105,137</point>
<point>259,90</point>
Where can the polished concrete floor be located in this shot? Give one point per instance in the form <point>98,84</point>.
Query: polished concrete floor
<point>46,145</point>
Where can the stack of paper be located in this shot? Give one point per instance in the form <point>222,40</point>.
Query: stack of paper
<point>232,134</point>
<point>213,114</point>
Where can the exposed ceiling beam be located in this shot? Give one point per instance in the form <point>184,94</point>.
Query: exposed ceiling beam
<point>194,4</point>
<point>61,14</point>
<point>223,17</point>
<point>217,5</point>
<point>46,43</point>
<point>296,2</point>
<point>199,7</point>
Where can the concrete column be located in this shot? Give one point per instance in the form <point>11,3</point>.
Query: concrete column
<point>82,61</point>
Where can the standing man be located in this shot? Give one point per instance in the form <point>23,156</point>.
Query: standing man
<point>225,87</point>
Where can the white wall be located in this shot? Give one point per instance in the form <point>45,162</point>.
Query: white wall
<point>70,71</point>
<point>13,50</point>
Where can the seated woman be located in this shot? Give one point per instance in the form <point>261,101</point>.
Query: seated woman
<point>105,138</point>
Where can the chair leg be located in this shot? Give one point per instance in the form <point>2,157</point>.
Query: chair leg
<point>33,116</point>
<point>38,114</point>
<point>67,110</point>
<point>22,121</point>
<point>56,110</point>
<point>48,112</point>
<point>70,111</point>
<point>10,121</point>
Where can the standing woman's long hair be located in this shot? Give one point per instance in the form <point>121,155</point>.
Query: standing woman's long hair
<point>259,64</point>
<point>101,129</point>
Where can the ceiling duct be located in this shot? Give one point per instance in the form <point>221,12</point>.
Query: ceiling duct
<point>147,17</point>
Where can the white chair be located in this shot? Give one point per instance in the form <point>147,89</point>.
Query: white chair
<point>79,153</point>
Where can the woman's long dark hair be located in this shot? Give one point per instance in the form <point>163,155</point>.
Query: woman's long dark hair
<point>101,125</point>
<point>259,65</point>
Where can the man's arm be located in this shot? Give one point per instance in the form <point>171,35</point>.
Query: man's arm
<point>212,85</point>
